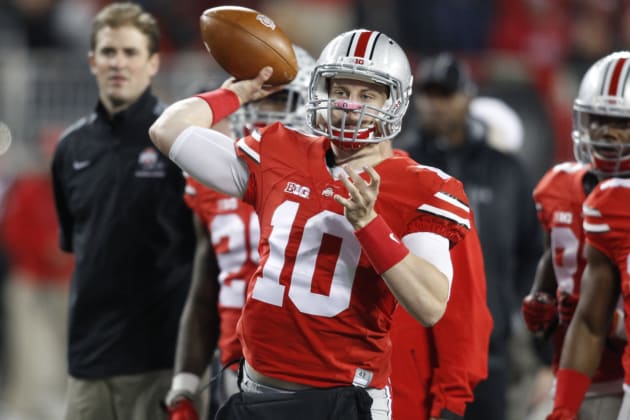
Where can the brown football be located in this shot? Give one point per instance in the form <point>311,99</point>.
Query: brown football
<point>242,41</point>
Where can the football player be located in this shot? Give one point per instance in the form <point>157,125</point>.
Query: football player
<point>432,378</point>
<point>590,360</point>
<point>348,230</point>
<point>227,232</point>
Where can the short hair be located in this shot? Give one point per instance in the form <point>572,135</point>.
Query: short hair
<point>120,14</point>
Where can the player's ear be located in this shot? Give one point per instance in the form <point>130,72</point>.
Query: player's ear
<point>92,62</point>
<point>154,63</point>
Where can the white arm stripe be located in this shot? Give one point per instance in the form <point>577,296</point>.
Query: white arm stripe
<point>427,208</point>
<point>590,211</point>
<point>452,201</point>
<point>596,228</point>
<point>248,151</point>
<point>209,156</point>
<point>435,249</point>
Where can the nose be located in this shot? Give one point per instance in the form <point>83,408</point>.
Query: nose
<point>616,134</point>
<point>117,59</point>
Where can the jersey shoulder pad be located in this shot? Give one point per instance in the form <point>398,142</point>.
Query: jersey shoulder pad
<point>563,181</point>
<point>606,206</point>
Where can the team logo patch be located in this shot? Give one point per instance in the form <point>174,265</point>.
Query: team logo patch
<point>227,204</point>
<point>563,217</point>
<point>297,189</point>
<point>149,164</point>
<point>328,192</point>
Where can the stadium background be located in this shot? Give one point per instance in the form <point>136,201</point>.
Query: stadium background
<point>529,53</point>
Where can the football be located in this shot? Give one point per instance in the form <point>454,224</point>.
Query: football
<point>242,41</point>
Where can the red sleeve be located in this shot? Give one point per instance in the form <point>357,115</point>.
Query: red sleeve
<point>430,371</point>
<point>199,198</point>
<point>466,324</point>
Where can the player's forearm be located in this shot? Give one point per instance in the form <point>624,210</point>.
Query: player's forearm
<point>197,337</point>
<point>419,287</point>
<point>582,347</point>
<point>176,118</point>
<point>544,278</point>
<point>199,324</point>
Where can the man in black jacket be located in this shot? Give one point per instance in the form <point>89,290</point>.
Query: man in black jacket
<point>500,196</point>
<point>121,212</point>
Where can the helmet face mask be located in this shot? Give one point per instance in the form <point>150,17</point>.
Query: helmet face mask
<point>366,56</point>
<point>601,117</point>
<point>603,142</point>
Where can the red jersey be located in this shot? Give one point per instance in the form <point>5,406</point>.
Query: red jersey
<point>316,311</point>
<point>234,232</point>
<point>559,197</point>
<point>30,232</point>
<point>430,372</point>
<point>607,228</point>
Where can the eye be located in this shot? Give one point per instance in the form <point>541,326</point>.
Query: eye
<point>131,52</point>
<point>338,93</point>
<point>108,52</point>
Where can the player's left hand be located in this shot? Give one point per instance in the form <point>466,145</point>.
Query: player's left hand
<point>183,409</point>
<point>561,414</point>
<point>567,302</point>
<point>359,205</point>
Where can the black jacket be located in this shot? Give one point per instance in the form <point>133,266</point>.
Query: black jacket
<point>121,212</point>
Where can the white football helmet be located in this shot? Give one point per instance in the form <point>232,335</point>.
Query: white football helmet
<point>368,56</point>
<point>601,116</point>
<point>289,106</point>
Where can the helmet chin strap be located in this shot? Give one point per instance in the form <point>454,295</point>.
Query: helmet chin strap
<point>351,143</point>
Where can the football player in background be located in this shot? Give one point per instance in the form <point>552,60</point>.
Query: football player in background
<point>549,307</point>
<point>432,377</point>
<point>602,139</point>
<point>226,256</point>
<point>348,230</point>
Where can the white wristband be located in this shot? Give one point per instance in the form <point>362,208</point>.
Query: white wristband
<point>184,385</point>
<point>185,381</point>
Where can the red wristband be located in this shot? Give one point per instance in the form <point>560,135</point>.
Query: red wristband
<point>222,102</point>
<point>571,386</point>
<point>382,248</point>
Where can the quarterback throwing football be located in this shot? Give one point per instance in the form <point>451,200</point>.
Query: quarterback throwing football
<point>348,229</point>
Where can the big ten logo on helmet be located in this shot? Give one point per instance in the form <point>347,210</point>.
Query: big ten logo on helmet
<point>297,189</point>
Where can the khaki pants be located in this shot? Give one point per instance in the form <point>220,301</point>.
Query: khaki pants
<point>36,349</point>
<point>624,412</point>
<point>128,397</point>
<point>600,408</point>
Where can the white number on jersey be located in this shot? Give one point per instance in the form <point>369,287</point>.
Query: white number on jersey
<point>232,227</point>
<point>268,288</point>
<point>564,246</point>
